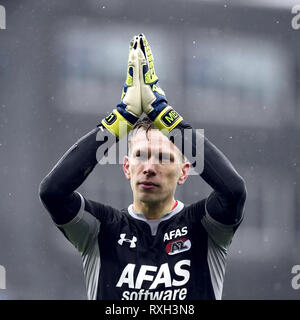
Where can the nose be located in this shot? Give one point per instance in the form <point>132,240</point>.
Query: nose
<point>149,167</point>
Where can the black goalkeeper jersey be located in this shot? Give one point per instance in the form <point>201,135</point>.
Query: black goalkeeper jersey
<point>127,257</point>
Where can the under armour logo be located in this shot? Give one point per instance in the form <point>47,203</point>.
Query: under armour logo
<point>132,241</point>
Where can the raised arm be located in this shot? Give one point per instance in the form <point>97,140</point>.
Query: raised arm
<point>57,190</point>
<point>225,204</point>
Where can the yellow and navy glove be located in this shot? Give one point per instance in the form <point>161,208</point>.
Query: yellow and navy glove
<point>154,102</point>
<point>122,119</point>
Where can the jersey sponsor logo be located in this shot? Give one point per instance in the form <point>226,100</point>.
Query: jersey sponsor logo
<point>153,283</point>
<point>175,233</point>
<point>142,294</point>
<point>131,241</point>
<point>154,275</point>
<point>178,246</point>
<point>143,283</point>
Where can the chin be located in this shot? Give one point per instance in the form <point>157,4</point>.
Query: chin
<point>149,199</point>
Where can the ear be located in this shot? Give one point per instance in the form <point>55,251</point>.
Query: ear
<point>126,167</point>
<point>184,173</point>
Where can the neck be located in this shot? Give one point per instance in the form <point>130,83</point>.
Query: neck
<point>154,210</point>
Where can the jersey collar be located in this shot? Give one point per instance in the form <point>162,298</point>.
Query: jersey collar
<point>166,216</point>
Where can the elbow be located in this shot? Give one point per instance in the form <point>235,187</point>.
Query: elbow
<point>239,189</point>
<point>44,191</point>
<point>47,191</point>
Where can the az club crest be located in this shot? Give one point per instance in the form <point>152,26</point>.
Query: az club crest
<point>178,245</point>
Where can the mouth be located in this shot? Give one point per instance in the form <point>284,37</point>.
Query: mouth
<point>148,185</point>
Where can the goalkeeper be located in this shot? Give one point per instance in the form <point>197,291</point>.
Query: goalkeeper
<point>158,247</point>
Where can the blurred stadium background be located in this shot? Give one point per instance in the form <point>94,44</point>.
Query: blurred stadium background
<point>62,65</point>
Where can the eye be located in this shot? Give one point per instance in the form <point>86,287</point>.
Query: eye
<point>166,158</point>
<point>141,155</point>
<point>137,153</point>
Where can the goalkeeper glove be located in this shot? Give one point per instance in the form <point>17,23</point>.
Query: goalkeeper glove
<point>154,102</point>
<point>129,109</point>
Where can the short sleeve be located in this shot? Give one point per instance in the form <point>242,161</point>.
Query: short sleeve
<point>83,229</point>
<point>220,233</point>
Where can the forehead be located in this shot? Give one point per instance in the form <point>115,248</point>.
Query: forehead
<point>151,136</point>
<point>154,139</point>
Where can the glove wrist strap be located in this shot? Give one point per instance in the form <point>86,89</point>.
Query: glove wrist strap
<point>117,124</point>
<point>167,119</point>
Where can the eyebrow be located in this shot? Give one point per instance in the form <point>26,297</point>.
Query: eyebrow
<point>173,154</point>
<point>172,150</point>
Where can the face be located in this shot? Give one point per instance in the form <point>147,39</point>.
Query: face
<point>154,167</point>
